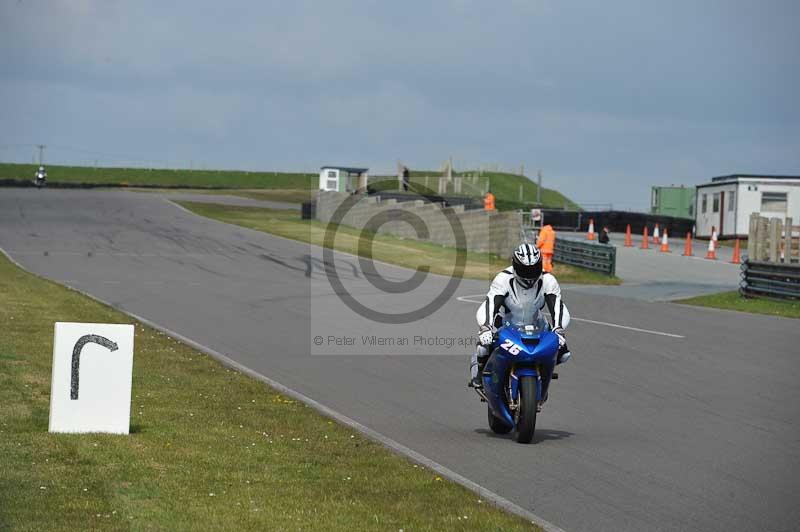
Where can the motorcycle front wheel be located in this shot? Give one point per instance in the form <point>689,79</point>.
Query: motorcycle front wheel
<point>526,415</point>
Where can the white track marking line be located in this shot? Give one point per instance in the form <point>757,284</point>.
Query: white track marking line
<point>480,298</point>
<point>637,329</point>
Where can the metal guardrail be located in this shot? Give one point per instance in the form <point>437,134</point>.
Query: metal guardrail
<point>770,279</point>
<point>589,255</point>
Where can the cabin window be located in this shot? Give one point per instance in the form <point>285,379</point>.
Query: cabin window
<point>732,200</point>
<point>773,201</point>
<point>332,183</point>
<point>715,206</point>
<point>704,204</point>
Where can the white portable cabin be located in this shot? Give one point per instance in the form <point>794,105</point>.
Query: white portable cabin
<point>727,202</point>
<point>342,178</point>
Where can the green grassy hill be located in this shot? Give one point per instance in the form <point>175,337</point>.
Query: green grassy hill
<point>505,187</point>
<point>162,177</point>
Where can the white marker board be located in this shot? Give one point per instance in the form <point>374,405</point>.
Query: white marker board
<point>92,373</point>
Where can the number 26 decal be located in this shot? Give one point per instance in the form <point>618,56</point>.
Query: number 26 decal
<point>511,347</point>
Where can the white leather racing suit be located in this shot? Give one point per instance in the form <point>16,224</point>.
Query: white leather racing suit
<point>508,301</point>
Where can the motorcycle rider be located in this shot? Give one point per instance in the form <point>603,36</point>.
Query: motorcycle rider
<point>519,294</point>
<point>41,175</point>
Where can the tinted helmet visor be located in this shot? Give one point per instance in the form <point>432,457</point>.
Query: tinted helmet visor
<point>527,275</point>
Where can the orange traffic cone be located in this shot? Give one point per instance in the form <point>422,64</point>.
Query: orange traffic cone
<point>712,251</point>
<point>645,239</point>
<point>628,238</point>
<point>590,233</point>
<point>656,236</point>
<point>736,259</point>
<point>687,248</point>
<point>665,242</point>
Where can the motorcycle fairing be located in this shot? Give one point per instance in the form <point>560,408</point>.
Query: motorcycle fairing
<point>527,354</point>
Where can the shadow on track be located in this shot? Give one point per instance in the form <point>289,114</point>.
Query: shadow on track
<point>539,435</point>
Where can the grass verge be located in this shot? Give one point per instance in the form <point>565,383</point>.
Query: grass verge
<point>210,449</point>
<point>386,248</point>
<point>733,301</point>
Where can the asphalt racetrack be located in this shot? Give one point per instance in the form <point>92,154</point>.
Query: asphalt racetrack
<point>668,417</point>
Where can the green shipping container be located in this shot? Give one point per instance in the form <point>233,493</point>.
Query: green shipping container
<point>673,201</point>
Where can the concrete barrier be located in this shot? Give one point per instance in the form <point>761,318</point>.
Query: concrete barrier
<point>492,232</point>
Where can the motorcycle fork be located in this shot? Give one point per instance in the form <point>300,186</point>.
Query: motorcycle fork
<point>512,391</point>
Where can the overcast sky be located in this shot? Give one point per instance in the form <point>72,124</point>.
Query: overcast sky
<point>607,98</point>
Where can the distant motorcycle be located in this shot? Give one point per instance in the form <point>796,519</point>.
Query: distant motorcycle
<point>517,377</point>
<point>40,178</point>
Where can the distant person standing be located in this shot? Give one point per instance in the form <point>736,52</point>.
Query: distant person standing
<point>406,177</point>
<point>604,238</point>
<point>546,242</point>
<point>488,201</point>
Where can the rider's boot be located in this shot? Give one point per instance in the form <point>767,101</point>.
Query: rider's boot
<point>476,366</point>
<point>475,382</point>
<point>563,354</point>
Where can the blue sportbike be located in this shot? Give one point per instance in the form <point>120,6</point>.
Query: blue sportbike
<point>517,376</point>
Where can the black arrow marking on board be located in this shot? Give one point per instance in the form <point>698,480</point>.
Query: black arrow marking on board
<point>76,358</point>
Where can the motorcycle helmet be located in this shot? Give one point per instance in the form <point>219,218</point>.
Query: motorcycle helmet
<point>527,264</point>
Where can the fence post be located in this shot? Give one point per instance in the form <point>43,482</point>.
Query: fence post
<point>774,238</point>
<point>786,243</point>
<point>761,239</point>
<point>442,185</point>
<point>752,237</point>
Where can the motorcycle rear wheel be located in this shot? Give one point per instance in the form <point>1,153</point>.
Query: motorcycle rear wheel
<point>497,425</point>
<point>526,416</point>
